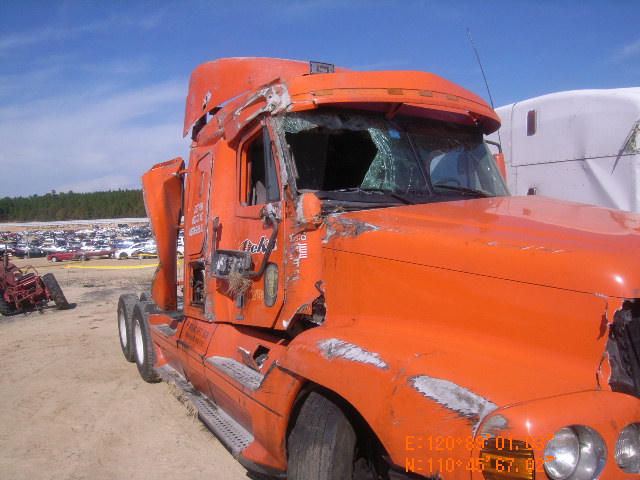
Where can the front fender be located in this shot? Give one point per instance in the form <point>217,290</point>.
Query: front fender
<point>536,422</point>
<point>410,387</point>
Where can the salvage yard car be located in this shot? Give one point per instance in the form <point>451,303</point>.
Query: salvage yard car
<point>132,251</point>
<point>362,298</point>
<point>77,254</point>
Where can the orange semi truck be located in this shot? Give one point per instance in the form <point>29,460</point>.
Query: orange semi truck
<point>362,298</point>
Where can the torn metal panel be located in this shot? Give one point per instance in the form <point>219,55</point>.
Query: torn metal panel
<point>460,400</point>
<point>339,226</point>
<point>334,348</point>
<point>272,99</point>
<point>622,349</point>
<point>632,144</point>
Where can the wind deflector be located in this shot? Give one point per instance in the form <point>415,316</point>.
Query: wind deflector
<point>163,200</point>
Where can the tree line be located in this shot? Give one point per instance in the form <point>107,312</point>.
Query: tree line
<point>73,206</point>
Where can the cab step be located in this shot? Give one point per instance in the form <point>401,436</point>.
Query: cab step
<point>243,374</point>
<point>233,435</point>
<point>165,329</point>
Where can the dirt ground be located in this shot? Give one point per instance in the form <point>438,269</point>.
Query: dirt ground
<point>72,407</point>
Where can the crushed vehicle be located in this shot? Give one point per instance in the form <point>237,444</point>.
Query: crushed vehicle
<point>23,290</point>
<point>362,298</point>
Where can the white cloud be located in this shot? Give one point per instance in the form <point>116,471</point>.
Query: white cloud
<point>96,140</point>
<point>57,32</point>
<point>628,51</point>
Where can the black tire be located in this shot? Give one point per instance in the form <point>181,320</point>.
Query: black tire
<point>83,258</point>
<point>125,327</point>
<point>56,292</point>
<point>6,309</point>
<point>145,297</point>
<point>322,443</point>
<point>54,259</point>
<point>145,355</point>
<point>122,256</point>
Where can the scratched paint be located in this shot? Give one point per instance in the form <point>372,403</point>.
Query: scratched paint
<point>339,226</point>
<point>528,247</point>
<point>461,400</point>
<point>494,426</point>
<point>332,348</point>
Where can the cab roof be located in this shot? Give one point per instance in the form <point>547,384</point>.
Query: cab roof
<point>216,82</point>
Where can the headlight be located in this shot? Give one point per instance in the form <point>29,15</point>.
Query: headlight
<point>628,449</point>
<point>578,453</point>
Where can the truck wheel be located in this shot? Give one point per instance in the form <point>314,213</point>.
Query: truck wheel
<point>322,443</point>
<point>125,327</point>
<point>6,309</point>
<point>56,292</point>
<point>143,345</point>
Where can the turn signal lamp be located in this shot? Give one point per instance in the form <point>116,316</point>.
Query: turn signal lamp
<point>507,459</point>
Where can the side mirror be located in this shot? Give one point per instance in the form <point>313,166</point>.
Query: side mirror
<point>308,211</point>
<point>499,159</point>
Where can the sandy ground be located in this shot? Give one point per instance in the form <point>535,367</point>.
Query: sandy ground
<point>72,407</point>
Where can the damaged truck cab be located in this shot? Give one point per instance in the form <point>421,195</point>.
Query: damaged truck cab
<point>361,297</point>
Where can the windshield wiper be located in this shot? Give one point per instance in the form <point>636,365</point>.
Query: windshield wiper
<point>382,191</point>
<point>463,190</point>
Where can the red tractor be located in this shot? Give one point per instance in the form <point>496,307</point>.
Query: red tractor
<point>23,290</point>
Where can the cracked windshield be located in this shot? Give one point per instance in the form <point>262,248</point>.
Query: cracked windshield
<point>366,158</point>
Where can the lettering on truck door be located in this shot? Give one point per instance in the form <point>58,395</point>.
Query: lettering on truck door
<point>196,218</point>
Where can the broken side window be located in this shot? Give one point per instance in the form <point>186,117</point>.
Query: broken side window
<point>259,178</point>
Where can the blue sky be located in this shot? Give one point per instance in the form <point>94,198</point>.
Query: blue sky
<point>92,92</point>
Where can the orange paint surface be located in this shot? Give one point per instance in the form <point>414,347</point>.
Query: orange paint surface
<point>437,322</point>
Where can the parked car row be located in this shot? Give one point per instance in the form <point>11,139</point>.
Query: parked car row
<point>122,243</point>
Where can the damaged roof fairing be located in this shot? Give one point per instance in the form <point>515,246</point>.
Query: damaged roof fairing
<point>218,81</point>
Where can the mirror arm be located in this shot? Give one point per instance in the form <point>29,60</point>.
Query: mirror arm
<point>272,218</point>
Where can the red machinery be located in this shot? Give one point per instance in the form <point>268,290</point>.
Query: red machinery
<point>23,289</point>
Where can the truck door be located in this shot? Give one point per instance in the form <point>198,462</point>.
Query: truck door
<point>259,191</point>
<point>197,330</point>
<point>196,218</point>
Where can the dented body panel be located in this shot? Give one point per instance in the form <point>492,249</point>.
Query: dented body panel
<point>335,242</point>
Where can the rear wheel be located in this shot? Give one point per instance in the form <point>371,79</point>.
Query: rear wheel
<point>143,345</point>
<point>125,327</point>
<point>6,309</point>
<point>322,443</point>
<point>56,292</point>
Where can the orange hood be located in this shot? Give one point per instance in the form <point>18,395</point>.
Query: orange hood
<point>537,240</point>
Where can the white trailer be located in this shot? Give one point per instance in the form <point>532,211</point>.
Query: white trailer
<point>581,145</point>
